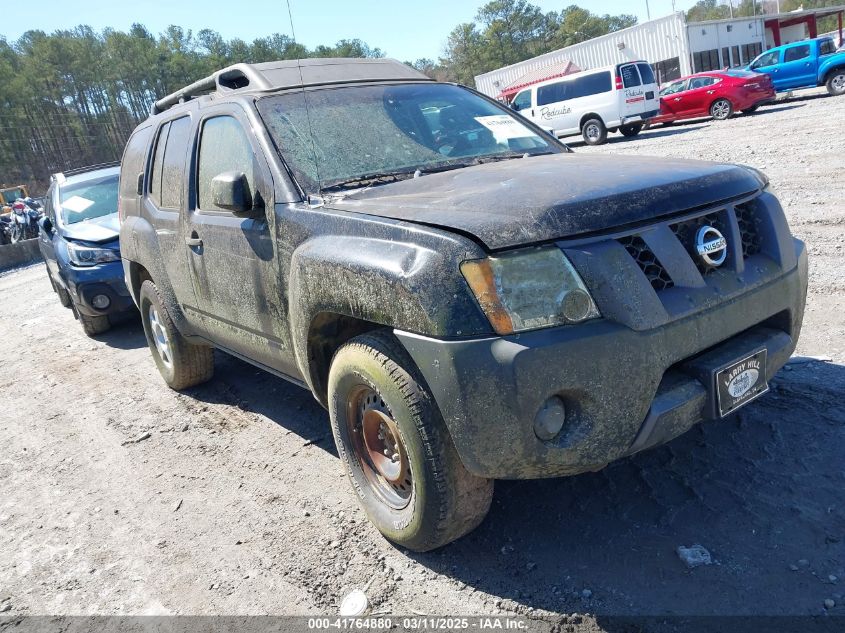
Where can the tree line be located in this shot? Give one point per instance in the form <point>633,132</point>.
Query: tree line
<point>71,98</point>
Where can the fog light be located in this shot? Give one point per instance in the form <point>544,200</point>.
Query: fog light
<point>101,302</point>
<point>549,419</point>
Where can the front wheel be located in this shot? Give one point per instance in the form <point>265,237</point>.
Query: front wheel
<point>181,363</point>
<point>631,130</point>
<point>594,131</point>
<point>92,325</point>
<point>396,449</point>
<point>836,82</point>
<point>721,109</point>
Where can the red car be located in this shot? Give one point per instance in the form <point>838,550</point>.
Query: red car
<point>717,94</point>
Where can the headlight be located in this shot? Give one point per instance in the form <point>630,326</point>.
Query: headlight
<point>529,289</point>
<point>90,255</point>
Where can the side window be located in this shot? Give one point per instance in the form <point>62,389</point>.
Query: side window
<point>158,161</point>
<point>522,101</point>
<point>173,165</point>
<point>769,59</point>
<point>701,82</point>
<point>590,85</point>
<point>674,88</point>
<point>552,93</point>
<point>796,52</point>
<point>630,76</point>
<point>49,211</point>
<point>826,47</point>
<point>223,147</point>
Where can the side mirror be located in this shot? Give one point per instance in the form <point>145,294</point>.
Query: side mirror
<point>230,191</point>
<point>46,225</point>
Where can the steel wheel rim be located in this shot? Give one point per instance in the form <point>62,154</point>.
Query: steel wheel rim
<point>378,447</point>
<point>159,335</point>
<point>721,110</point>
<point>593,132</point>
<point>839,83</point>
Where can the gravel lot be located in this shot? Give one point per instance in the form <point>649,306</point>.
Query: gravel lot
<point>233,501</point>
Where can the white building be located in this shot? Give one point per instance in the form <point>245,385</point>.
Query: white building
<point>672,46</point>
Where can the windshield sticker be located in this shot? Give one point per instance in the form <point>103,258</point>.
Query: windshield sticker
<point>504,127</point>
<point>77,204</point>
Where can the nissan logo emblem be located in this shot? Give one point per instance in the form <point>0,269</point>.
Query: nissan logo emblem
<point>711,246</point>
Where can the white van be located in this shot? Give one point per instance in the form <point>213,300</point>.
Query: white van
<point>621,97</point>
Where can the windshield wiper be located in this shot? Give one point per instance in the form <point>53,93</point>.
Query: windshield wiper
<point>368,180</point>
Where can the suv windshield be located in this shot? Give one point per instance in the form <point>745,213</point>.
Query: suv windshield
<point>337,137</point>
<point>88,199</point>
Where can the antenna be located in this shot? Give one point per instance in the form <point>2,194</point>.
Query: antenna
<point>290,17</point>
<point>307,110</point>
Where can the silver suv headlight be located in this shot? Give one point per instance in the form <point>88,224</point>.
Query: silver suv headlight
<point>81,255</point>
<point>529,289</point>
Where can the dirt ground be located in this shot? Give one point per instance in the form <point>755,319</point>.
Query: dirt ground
<point>237,504</point>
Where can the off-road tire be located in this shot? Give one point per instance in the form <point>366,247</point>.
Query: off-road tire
<point>721,109</point>
<point>93,325</point>
<point>594,131</point>
<point>836,82</point>
<point>446,501</point>
<point>191,364</point>
<point>631,130</point>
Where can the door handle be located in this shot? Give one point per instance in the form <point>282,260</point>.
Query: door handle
<point>194,240</point>
<point>677,98</point>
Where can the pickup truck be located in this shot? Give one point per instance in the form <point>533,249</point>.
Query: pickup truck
<point>804,64</point>
<point>468,298</point>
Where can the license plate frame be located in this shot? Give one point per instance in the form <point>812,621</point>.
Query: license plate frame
<point>730,382</point>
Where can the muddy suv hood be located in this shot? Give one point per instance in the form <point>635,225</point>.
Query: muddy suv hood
<point>542,198</point>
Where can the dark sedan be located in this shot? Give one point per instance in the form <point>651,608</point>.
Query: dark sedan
<point>79,243</point>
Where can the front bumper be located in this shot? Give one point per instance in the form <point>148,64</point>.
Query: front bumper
<point>85,283</point>
<point>624,390</point>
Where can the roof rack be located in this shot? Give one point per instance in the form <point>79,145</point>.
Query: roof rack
<point>61,175</point>
<point>291,73</point>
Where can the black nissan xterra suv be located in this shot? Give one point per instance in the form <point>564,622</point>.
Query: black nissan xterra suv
<point>469,299</point>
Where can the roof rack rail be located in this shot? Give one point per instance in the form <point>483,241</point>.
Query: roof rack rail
<point>291,73</point>
<point>61,175</point>
<point>230,78</point>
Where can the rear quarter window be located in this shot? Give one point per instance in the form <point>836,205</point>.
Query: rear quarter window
<point>134,161</point>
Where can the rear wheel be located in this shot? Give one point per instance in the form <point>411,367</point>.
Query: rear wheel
<point>181,363</point>
<point>836,82</point>
<point>594,131</point>
<point>721,109</point>
<point>397,451</point>
<point>631,130</point>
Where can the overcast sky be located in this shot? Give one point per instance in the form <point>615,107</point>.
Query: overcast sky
<point>405,30</point>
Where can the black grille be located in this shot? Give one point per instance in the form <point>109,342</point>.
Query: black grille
<point>749,231</point>
<point>647,261</point>
<point>686,231</point>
